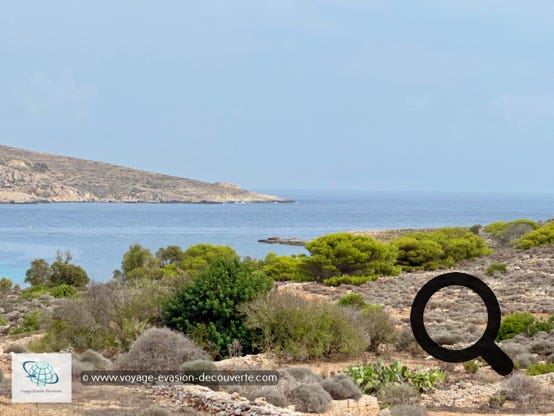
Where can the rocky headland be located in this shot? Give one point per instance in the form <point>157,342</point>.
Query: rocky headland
<point>32,177</point>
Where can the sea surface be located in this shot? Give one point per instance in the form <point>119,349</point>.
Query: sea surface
<point>99,234</point>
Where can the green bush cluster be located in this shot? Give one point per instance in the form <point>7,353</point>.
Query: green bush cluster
<point>540,237</point>
<point>523,322</point>
<point>284,267</point>
<point>496,267</point>
<point>346,254</point>
<point>500,228</point>
<point>60,272</point>
<point>349,280</point>
<point>294,327</point>
<point>170,262</point>
<point>345,258</point>
<point>537,369</point>
<point>372,378</point>
<point>440,248</point>
<point>352,299</point>
<point>207,309</point>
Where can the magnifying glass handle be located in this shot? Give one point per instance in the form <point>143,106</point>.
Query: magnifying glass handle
<point>497,359</point>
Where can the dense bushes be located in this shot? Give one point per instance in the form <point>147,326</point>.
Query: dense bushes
<point>348,254</point>
<point>514,324</point>
<point>105,316</point>
<point>501,228</point>
<point>539,237</point>
<point>60,272</point>
<point>159,349</point>
<point>169,262</point>
<point>284,267</point>
<point>298,328</point>
<point>441,248</point>
<point>207,309</point>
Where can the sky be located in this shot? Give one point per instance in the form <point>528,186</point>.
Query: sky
<point>337,94</point>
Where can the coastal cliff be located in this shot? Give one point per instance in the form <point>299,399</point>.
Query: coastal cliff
<point>31,177</point>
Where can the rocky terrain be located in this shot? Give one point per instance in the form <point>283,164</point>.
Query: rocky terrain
<point>30,177</point>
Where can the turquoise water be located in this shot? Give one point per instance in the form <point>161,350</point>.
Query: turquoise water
<point>99,234</point>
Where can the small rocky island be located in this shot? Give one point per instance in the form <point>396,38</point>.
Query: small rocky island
<point>32,177</point>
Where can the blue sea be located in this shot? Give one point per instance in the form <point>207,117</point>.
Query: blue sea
<point>99,234</point>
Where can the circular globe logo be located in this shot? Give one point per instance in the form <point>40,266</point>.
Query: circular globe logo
<point>40,373</point>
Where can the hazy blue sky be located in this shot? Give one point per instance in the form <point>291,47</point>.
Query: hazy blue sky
<point>423,95</point>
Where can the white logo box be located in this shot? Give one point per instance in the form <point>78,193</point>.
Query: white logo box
<point>41,378</point>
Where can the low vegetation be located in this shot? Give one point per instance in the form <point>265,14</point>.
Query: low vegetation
<point>523,322</point>
<point>294,327</point>
<point>539,237</point>
<point>372,378</point>
<point>440,248</point>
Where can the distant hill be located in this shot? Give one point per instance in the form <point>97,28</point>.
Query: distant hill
<point>28,177</point>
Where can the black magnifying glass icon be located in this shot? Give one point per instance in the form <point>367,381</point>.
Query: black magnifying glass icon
<point>485,346</point>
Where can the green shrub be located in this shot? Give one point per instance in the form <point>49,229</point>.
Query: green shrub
<point>347,254</point>
<point>375,324</point>
<point>4,321</point>
<point>295,327</point>
<point>64,291</point>
<point>30,322</point>
<point>440,248</point>
<point>471,367</point>
<point>5,284</point>
<point>546,325</point>
<point>349,280</point>
<point>537,369</point>
<point>372,378</point>
<point>418,253</point>
<point>496,267</point>
<point>539,237</point>
<point>311,398</point>
<point>159,349</point>
<point>34,292</point>
<point>284,267</point>
<point>207,309</point>
<point>38,274</point>
<point>514,324</point>
<point>170,255</point>
<point>352,299</point>
<point>341,387</point>
<point>500,228</point>
<point>197,258</point>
